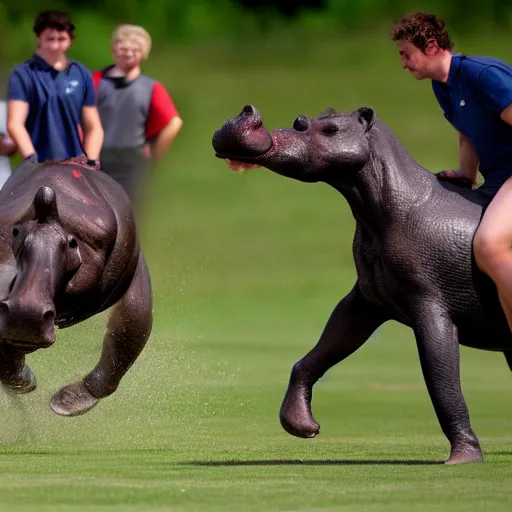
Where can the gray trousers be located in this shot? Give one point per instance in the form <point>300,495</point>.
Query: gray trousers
<point>129,167</point>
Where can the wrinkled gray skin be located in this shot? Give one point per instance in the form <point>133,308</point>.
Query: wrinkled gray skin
<point>69,250</point>
<point>412,251</point>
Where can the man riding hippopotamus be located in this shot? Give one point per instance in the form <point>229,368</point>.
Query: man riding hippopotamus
<point>69,250</point>
<point>413,245</point>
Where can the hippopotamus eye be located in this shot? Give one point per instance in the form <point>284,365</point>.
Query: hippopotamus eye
<point>73,243</point>
<point>330,129</point>
<point>301,124</point>
<point>15,231</point>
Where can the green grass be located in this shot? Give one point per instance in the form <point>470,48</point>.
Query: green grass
<point>246,269</point>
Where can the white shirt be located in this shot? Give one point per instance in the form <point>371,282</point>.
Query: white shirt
<point>5,163</point>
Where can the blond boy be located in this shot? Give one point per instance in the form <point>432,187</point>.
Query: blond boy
<point>138,116</point>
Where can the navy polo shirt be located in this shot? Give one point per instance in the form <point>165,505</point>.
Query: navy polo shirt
<point>55,101</point>
<point>476,93</point>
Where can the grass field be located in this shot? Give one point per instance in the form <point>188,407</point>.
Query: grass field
<point>246,269</point>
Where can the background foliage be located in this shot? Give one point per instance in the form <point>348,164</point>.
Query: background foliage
<point>172,21</point>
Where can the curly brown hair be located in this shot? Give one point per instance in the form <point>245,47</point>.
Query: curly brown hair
<point>420,28</point>
<point>58,20</point>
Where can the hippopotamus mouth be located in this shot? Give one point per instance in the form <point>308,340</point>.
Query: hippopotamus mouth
<point>28,339</point>
<point>243,141</point>
<point>28,347</point>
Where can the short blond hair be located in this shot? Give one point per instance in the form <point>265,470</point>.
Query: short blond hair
<point>136,34</point>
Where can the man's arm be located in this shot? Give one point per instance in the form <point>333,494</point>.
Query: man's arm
<point>468,159</point>
<point>163,123</point>
<point>465,176</point>
<point>161,144</point>
<point>17,112</point>
<point>93,132</point>
<point>506,115</point>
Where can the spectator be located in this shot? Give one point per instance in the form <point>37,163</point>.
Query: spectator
<point>52,112</point>
<point>7,146</point>
<point>138,116</point>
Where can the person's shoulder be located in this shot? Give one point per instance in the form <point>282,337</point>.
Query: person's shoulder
<point>102,71</point>
<point>101,74</point>
<point>23,67</point>
<point>81,68</point>
<point>476,64</point>
<point>157,88</point>
<point>147,81</point>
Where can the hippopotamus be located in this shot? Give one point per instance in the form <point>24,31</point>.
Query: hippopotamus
<point>69,250</point>
<point>412,250</point>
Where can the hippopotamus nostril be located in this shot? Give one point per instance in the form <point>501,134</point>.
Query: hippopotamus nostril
<point>49,315</point>
<point>301,124</point>
<point>4,313</point>
<point>4,308</point>
<point>249,110</point>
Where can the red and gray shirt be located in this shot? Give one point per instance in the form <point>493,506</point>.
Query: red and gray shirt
<point>132,112</point>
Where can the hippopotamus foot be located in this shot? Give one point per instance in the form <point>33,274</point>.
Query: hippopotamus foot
<point>24,382</point>
<point>465,453</point>
<point>295,415</point>
<point>73,400</point>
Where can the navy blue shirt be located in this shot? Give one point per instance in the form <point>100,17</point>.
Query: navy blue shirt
<point>55,101</point>
<point>476,93</point>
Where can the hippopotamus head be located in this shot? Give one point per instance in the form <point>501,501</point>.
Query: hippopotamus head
<point>311,151</point>
<point>46,258</point>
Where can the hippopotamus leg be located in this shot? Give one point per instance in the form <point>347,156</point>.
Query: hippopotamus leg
<point>351,323</point>
<point>15,375</point>
<point>128,328</point>
<point>438,347</point>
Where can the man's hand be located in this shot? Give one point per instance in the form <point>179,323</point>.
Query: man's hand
<point>83,161</point>
<point>95,164</point>
<point>455,177</point>
<point>17,112</point>
<point>7,145</point>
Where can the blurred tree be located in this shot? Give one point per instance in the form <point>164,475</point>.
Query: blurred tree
<point>204,20</point>
<point>284,6</point>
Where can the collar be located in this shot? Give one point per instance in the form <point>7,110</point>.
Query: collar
<point>118,81</point>
<point>36,61</point>
<point>455,65</point>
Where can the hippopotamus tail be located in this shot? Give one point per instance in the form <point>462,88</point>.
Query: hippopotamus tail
<point>45,205</point>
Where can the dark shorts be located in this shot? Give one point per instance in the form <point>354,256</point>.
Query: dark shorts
<point>493,182</point>
<point>487,193</point>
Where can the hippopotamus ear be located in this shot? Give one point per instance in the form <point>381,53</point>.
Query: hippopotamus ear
<point>45,205</point>
<point>366,117</point>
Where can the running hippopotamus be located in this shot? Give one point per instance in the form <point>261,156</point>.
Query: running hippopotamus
<point>69,250</point>
<point>412,251</point>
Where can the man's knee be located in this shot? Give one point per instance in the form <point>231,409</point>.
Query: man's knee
<point>490,248</point>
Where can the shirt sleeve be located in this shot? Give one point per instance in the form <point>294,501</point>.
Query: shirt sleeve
<point>161,111</point>
<point>18,89</point>
<point>495,88</point>
<point>96,79</point>
<point>90,92</point>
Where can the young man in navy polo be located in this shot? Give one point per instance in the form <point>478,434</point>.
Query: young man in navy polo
<point>52,112</point>
<point>475,94</point>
